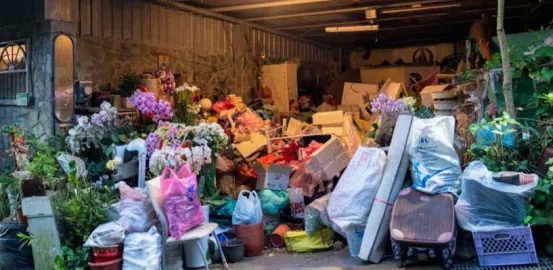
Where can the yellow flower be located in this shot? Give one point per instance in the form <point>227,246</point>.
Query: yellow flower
<point>110,165</point>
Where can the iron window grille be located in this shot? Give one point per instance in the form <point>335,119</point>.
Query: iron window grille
<point>14,72</point>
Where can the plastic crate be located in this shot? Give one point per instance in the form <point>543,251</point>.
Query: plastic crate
<point>505,247</point>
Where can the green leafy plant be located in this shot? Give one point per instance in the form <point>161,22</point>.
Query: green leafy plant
<point>9,195</point>
<point>128,83</point>
<point>44,166</point>
<point>495,155</point>
<point>72,259</point>
<point>80,209</point>
<point>539,208</point>
<point>26,239</point>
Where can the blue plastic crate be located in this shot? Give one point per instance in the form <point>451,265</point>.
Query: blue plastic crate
<point>505,247</point>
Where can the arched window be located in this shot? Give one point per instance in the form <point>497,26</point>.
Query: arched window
<point>64,98</point>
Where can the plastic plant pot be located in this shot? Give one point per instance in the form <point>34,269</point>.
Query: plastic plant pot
<point>111,265</point>
<point>233,250</point>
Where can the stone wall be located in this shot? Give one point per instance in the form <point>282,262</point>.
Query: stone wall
<point>102,60</point>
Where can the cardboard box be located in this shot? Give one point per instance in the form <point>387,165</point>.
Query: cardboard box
<point>247,148</point>
<point>282,82</point>
<point>328,118</point>
<point>355,110</point>
<point>358,93</point>
<point>392,89</point>
<point>426,93</point>
<point>331,159</point>
<point>273,176</point>
<point>336,130</point>
<point>377,230</point>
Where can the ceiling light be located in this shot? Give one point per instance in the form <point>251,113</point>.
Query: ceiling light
<point>419,8</point>
<point>370,14</point>
<point>352,28</point>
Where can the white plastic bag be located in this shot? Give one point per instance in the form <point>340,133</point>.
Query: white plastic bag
<point>136,211</point>
<point>64,160</point>
<point>297,203</point>
<point>316,216</point>
<point>354,194</point>
<point>435,166</point>
<point>105,235</point>
<point>142,250</point>
<point>354,235</point>
<point>248,209</point>
<point>488,205</point>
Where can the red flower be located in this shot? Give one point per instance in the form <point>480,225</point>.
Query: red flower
<point>186,144</point>
<point>196,97</point>
<point>143,89</point>
<point>160,144</point>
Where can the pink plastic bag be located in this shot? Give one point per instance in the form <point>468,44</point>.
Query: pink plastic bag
<point>180,200</point>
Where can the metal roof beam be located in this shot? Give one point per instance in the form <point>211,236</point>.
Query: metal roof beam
<point>394,18</point>
<point>346,10</point>
<point>266,5</point>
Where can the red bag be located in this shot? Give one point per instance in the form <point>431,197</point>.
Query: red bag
<point>180,200</point>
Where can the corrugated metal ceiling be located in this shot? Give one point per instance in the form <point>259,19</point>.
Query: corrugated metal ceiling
<point>444,24</point>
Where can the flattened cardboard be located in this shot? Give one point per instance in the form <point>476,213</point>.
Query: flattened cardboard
<point>273,176</point>
<point>378,223</point>
<point>247,148</point>
<point>328,118</point>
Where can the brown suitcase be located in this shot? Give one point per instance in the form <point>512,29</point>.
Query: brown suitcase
<point>423,224</point>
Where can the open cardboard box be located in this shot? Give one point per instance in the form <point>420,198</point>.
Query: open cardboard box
<point>272,176</point>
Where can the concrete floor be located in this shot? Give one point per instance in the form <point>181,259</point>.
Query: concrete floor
<point>327,260</point>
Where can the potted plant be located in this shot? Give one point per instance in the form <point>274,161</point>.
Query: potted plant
<point>128,83</point>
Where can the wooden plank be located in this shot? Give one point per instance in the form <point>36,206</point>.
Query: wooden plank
<point>163,25</point>
<point>146,22</point>
<point>190,30</point>
<point>117,18</point>
<point>86,27</point>
<point>107,16</point>
<point>181,26</point>
<point>154,24</point>
<point>172,29</point>
<point>127,19</point>
<point>137,20</point>
<point>97,18</point>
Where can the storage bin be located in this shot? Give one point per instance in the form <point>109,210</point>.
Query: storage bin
<point>513,246</point>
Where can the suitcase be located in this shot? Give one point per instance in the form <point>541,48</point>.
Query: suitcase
<point>423,225</point>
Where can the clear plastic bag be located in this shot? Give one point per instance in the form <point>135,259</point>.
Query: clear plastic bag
<point>180,200</point>
<point>488,205</point>
<point>352,198</point>
<point>316,216</point>
<point>435,166</point>
<point>248,209</point>
<point>136,211</point>
<point>142,250</point>
<point>105,235</point>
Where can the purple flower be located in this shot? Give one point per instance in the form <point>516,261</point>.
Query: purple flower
<point>152,143</point>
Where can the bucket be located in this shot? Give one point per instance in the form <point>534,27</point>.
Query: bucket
<point>233,250</point>
<point>192,255</point>
<point>111,265</point>
<point>253,237</point>
<point>107,254</point>
<point>277,237</point>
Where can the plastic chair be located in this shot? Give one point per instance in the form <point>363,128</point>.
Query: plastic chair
<point>196,234</point>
